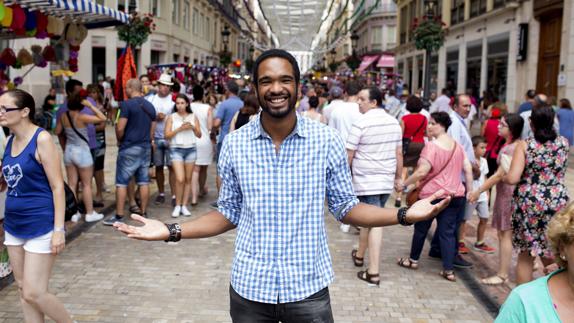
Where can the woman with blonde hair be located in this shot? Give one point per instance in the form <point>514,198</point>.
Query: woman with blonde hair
<point>548,299</point>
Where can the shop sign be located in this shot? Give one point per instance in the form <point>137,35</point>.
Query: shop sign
<point>158,45</point>
<point>522,42</point>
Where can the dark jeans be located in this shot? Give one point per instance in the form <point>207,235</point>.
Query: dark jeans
<point>445,232</point>
<point>435,245</point>
<point>313,309</point>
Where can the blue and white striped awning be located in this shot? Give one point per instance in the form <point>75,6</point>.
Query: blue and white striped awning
<point>91,14</point>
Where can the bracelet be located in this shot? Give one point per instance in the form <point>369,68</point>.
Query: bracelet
<point>174,232</point>
<point>60,229</point>
<point>402,217</point>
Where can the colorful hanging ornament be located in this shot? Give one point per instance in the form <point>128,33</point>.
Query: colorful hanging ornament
<point>2,10</point>
<point>31,23</point>
<point>8,57</point>
<point>18,19</point>
<point>41,25</point>
<point>7,19</point>
<point>49,54</point>
<point>37,56</point>
<point>24,57</point>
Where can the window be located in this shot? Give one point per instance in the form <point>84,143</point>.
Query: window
<point>175,12</point>
<point>195,22</point>
<point>457,12</point>
<point>186,14</point>
<point>391,36</point>
<point>201,25</point>
<point>154,57</point>
<point>404,25</point>
<point>498,3</point>
<point>154,7</point>
<point>376,38</point>
<point>127,6</point>
<point>208,28</point>
<point>176,58</point>
<point>477,8</point>
<point>412,15</point>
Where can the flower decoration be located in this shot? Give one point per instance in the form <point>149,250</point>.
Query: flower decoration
<point>136,32</point>
<point>428,33</point>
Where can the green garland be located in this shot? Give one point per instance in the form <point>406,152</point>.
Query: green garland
<point>136,32</point>
<point>428,34</point>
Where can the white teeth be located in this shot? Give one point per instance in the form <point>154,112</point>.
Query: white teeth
<point>277,100</point>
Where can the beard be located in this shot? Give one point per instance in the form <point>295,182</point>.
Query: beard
<point>277,113</point>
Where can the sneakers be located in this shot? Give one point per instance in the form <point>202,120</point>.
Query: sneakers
<point>459,262</point>
<point>176,211</point>
<point>160,199</point>
<point>483,247</point>
<point>113,219</point>
<point>185,211</point>
<point>94,217</point>
<point>462,249</point>
<point>76,217</point>
<point>345,227</point>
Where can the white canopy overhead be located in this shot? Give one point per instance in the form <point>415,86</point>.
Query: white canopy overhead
<point>294,22</point>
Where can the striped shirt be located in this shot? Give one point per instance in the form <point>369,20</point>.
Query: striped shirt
<point>374,137</point>
<point>277,201</point>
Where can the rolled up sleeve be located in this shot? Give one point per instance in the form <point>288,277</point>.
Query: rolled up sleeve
<point>230,195</point>
<point>340,194</point>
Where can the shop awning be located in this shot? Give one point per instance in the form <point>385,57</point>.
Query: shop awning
<point>386,61</point>
<point>366,62</point>
<point>89,13</point>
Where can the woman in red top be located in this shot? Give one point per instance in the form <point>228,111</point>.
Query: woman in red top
<point>414,127</point>
<point>494,141</point>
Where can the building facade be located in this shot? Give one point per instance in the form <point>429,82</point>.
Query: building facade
<point>187,31</point>
<point>500,47</point>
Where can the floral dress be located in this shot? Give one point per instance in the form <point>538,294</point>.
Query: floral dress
<point>539,194</point>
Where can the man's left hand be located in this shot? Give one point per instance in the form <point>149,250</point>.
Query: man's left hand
<point>424,209</point>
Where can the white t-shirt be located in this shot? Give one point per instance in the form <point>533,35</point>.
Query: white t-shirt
<point>441,104</point>
<point>162,105</point>
<point>477,182</point>
<point>328,110</point>
<point>374,137</point>
<point>344,115</point>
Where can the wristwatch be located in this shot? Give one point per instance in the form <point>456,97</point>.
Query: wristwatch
<point>174,232</point>
<point>402,217</point>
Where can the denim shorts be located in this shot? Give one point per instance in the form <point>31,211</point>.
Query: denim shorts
<point>161,153</point>
<point>186,155</point>
<point>79,156</point>
<point>133,161</point>
<point>377,200</point>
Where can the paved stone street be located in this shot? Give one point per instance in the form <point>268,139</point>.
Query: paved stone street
<point>104,277</point>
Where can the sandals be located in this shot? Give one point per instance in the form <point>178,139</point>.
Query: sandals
<point>359,262</point>
<point>494,280</point>
<point>448,275</point>
<point>135,209</point>
<point>365,276</point>
<point>408,263</point>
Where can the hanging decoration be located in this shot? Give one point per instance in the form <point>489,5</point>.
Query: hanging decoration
<point>187,73</point>
<point>137,31</point>
<point>428,33</point>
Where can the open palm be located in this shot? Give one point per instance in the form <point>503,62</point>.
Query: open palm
<point>152,230</point>
<point>424,209</point>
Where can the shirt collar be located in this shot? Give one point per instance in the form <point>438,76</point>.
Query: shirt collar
<point>258,131</point>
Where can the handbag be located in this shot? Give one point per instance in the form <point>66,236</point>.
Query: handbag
<point>71,202</point>
<point>407,141</point>
<point>413,196</point>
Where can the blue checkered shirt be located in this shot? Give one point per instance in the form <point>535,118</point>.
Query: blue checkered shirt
<point>276,200</point>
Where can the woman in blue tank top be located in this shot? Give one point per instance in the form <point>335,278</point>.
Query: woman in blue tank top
<point>35,206</point>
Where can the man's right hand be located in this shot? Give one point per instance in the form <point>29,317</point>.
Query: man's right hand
<point>152,230</point>
<point>160,116</point>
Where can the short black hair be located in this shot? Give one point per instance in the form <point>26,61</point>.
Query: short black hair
<point>232,87</point>
<point>477,140</point>
<point>71,84</point>
<point>414,104</point>
<point>375,94</point>
<point>442,118</point>
<point>353,88</point>
<point>197,92</point>
<point>515,124</point>
<point>23,99</point>
<point>143,75</point>
<point>314,102</point>
<point>542,120</point>
<point>271,53</point>
<point>530,94</point>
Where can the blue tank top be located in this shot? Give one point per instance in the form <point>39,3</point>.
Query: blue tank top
<point>29,211</point>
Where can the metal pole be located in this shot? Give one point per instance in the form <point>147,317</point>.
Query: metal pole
<point>426,88</point>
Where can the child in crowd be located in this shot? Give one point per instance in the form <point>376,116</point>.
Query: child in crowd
<point>481,205</point>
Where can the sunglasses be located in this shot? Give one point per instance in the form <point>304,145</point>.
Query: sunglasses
<point>5,109</point>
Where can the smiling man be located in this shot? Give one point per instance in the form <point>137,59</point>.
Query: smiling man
<point>276,173</point>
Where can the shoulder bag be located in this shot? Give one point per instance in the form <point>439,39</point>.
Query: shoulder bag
<point>413,196</point>
<point>76,130</point>
<point>407,140</point>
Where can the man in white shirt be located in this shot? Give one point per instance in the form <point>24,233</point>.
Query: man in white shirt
<point>346,113</point>
<point>336,96</point>
<point>392,103</point>
<point>375,154</point>
<point>442,103</point>
<point>163,104</point>
<point>538,101</point>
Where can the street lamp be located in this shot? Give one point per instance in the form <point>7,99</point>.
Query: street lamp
<point>430,7</point>
<point>354,41</point>
<point>225,33</point>
<point>333,53</point>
